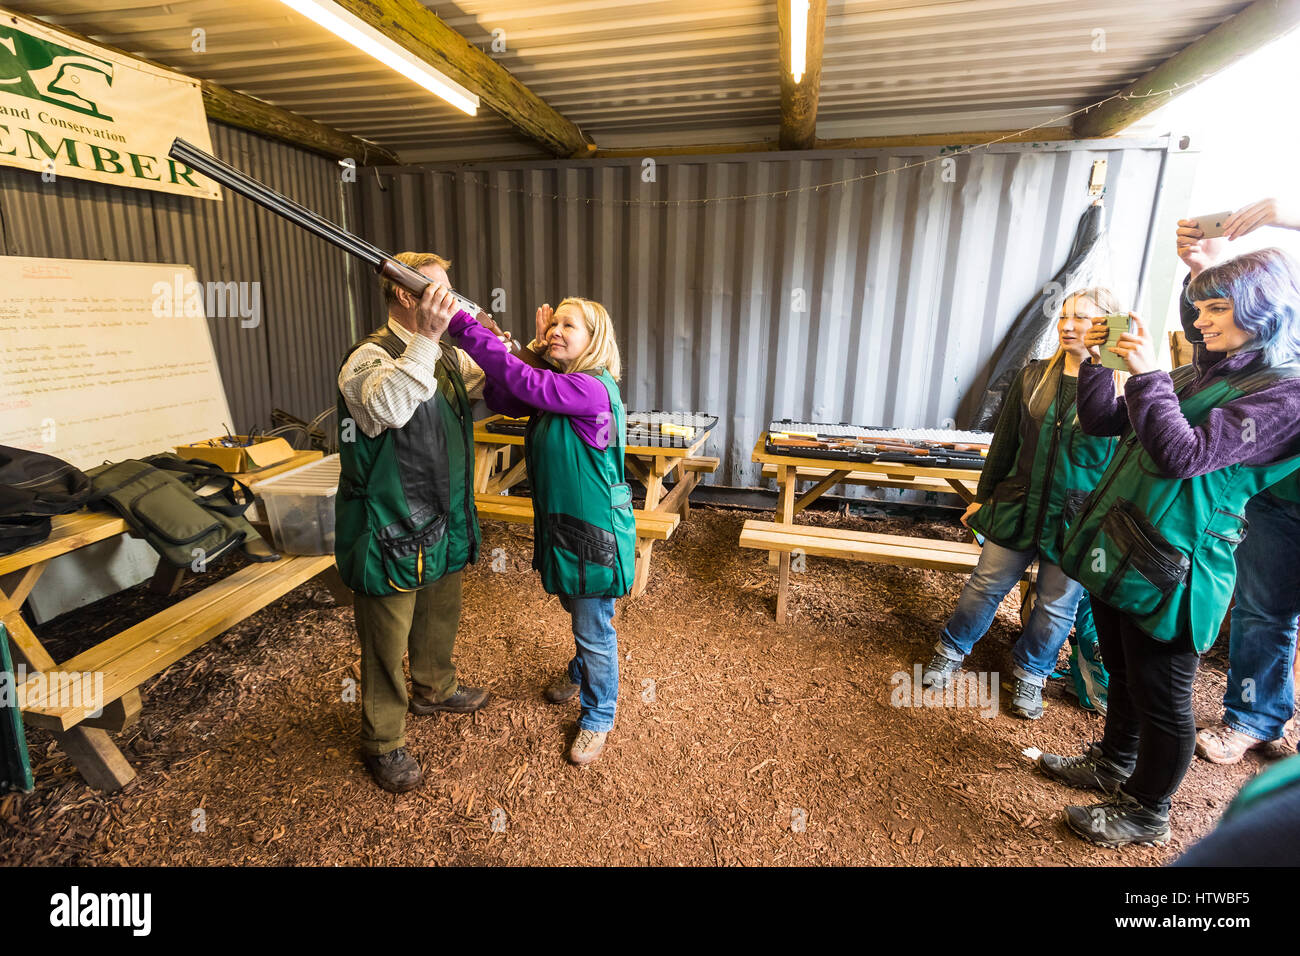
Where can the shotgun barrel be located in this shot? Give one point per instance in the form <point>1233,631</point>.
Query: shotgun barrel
<point>266,197</point>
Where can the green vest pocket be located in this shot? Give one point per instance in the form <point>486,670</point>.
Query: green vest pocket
<point>413,558</point>
<point>585,557</point>
<point>1005,518</point>
<point>1141,569</point>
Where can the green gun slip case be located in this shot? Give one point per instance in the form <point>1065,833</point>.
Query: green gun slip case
<point>15,768</point>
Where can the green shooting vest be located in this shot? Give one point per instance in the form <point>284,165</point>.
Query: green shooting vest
<point>584,531</point>
<point>1161,549</point>
<point>405,513</point>
<point>1056,466</point>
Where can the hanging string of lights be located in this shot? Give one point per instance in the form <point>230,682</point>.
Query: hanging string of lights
<point>818,187</point>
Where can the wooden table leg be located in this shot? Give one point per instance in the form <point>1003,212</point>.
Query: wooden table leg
<point>509,478</point>
<point>333,582</point>
<point>19,584</point>
<point>167,578</point>
<point>644,548</point>
<point>485,457</point>
<point>654,484</point>
<point>963,492</point>
<point>785,515</point>
<point>90,749</point>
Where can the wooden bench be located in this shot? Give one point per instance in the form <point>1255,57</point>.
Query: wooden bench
<point>145,650</point>
<point>651,526</point>
<point>657,525</point>
<point>126,660</point>
<point>936,554</point>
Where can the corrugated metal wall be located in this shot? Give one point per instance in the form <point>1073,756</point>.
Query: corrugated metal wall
<point>908,282</point>
<point>289,360</point>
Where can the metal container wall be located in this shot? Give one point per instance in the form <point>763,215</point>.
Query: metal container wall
<point>290,358</point>
<point>880,300</point>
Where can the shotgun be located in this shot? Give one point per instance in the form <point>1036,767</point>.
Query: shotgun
<point>385,265</point>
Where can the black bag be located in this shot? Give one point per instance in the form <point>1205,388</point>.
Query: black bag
<point>33,488</point>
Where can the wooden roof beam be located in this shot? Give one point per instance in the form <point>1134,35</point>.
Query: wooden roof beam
<point>418,30</point>
<point>1252,28</point>
<point>799,100</point>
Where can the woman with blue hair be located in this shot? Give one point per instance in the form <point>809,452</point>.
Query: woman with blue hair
<point>1154,543</point>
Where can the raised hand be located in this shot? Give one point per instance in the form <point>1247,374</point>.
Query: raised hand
<point>1265,212</point>
<point>545,319</point>
<point>434,314</point>
<point>1096,336</point>
<point>1194,249</point>
<point>1136,348</point>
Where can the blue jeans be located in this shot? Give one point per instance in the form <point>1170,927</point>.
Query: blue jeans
<point>998,571</point>
<point>595,664</point>
<point>1260,696</point>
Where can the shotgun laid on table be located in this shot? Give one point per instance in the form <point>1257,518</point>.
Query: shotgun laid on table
<point>385,265</point>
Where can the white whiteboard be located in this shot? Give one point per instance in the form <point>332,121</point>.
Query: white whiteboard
<point>89,373</point>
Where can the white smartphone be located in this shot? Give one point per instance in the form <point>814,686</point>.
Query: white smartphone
<point>1212,225</point>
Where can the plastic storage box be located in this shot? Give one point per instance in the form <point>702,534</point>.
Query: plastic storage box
<point>299,506</point>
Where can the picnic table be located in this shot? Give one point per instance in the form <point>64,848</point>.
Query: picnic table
<point>654,465</point>
<point>782,537</point>
<point>127,659</point>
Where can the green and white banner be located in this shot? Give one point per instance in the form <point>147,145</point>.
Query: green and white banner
<point>70,109</point>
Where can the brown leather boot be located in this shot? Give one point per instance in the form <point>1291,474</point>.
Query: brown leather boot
<point>466,700</point>
<point>587,746</point>
<point>1224,745</point>
<point>395,771</point>
<point>561,690</point>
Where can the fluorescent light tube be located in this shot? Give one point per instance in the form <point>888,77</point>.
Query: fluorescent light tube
<point>798,38</point>
<point>367,39</point>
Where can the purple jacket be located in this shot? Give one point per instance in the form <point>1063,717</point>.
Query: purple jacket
<point>1223,438</point>
<point>515,388</point>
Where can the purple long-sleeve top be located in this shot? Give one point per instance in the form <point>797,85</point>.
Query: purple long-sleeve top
<point>515,388</point>
<point>1223,437</point>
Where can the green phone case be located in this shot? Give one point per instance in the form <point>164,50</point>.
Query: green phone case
<point>1118,325</point>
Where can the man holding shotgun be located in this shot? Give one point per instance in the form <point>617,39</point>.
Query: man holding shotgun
<point>405,518</point>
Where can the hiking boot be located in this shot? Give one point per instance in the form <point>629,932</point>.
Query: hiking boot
<point>561,690</point>
<point>1087,771</point>
<point>587,746</point>
<point>1026,699</point>
<point>940,671</point>
<point>1224,745</point>
<point>395,771</point>
<point>1119,821</point>
<point>466,700</point>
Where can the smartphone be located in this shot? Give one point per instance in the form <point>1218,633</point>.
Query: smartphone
<point>1212,225</point>
<point>1117,325</point>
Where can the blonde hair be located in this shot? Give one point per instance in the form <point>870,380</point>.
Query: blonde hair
<point>602,350</point>
<point>1044,393</point>
<point>417,261</point>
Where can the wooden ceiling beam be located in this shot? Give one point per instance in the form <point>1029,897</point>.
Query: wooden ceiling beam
<point>1252,28</point>
<point>418,30</point>
<point>1043,134</point>
<point>799,100</point>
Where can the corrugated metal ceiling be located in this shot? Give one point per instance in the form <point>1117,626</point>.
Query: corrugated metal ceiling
<point>674,72</point>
